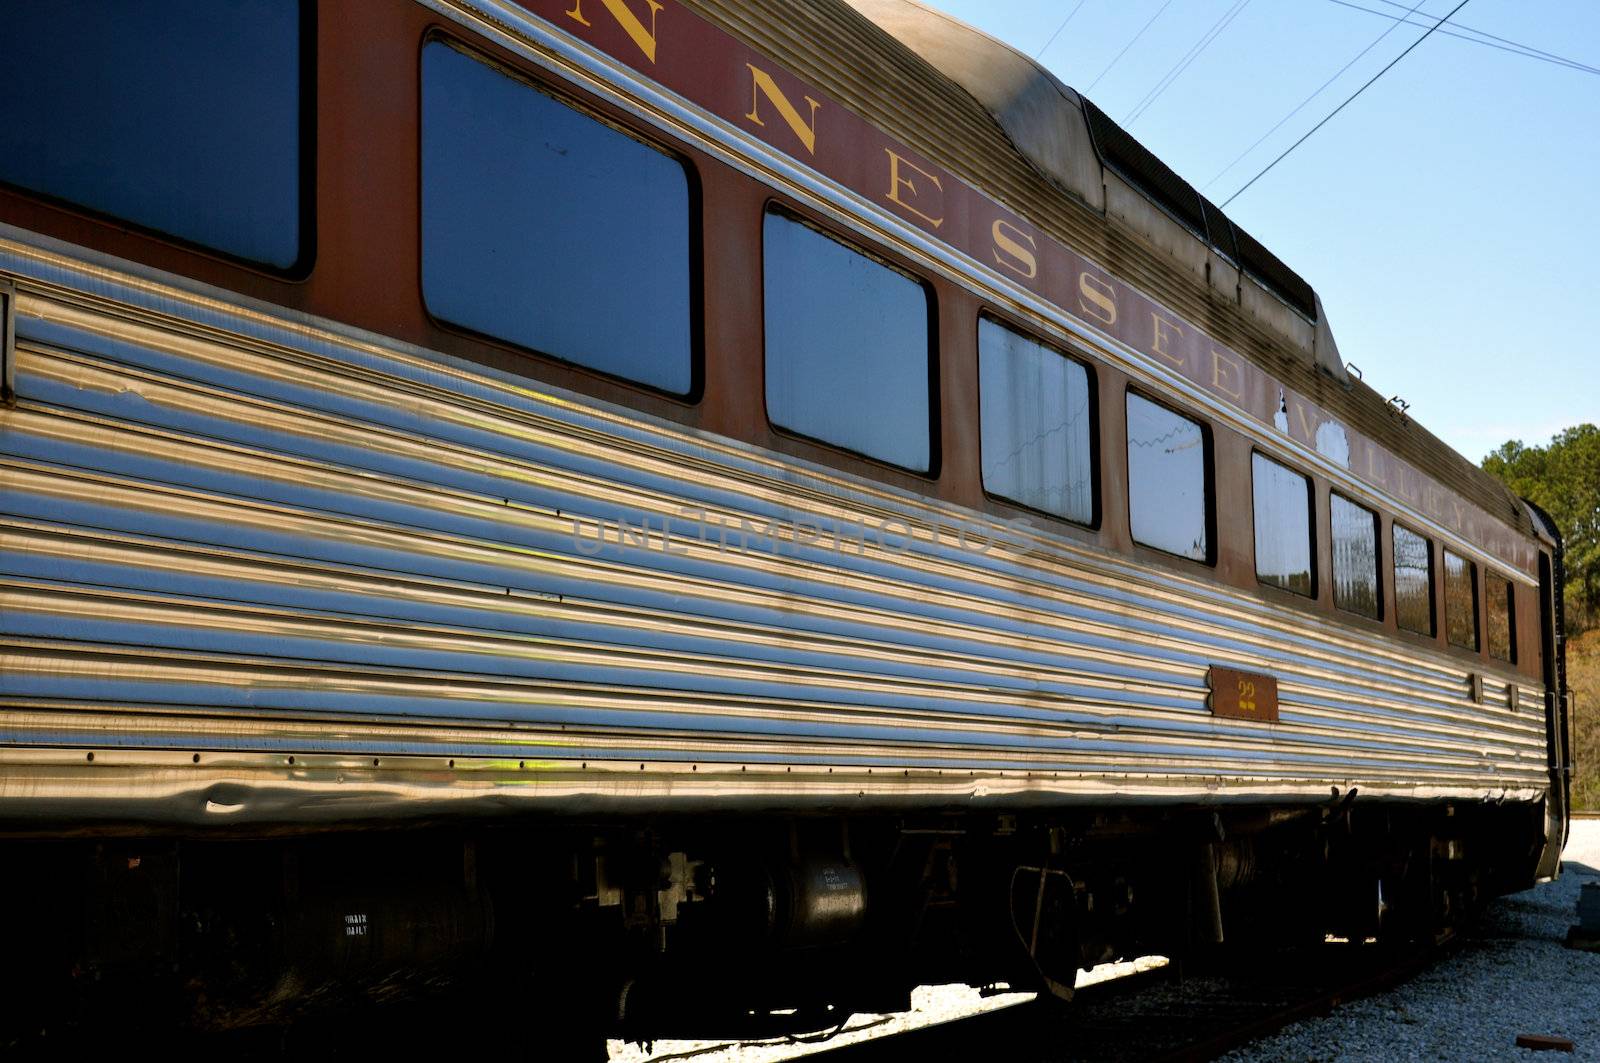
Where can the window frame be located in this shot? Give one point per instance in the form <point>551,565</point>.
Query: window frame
<point>561,92</point>
<point>1490,576</point>
<point>1432,634</point>
<point>1096,511</point>
<point>1208,449</point>
<point>852,242</point>
<point>1378,558</point>
<point>1478,645</point>
<point>1311,526</point>
<point>306,214</point>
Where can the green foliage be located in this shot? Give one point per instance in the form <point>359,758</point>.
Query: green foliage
<point>1583,675</point>
<point>1563,479</point>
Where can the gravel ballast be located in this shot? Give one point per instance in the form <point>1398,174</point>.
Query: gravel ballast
<point>1513,975</point>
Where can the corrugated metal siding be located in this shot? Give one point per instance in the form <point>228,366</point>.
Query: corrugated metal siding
<point>223,534</point>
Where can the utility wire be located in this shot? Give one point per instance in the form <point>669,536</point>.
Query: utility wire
<point>1118,57</point>
<point>1460,28</point>
<point>1348,100</point>
<point>1301,105</point>
<point>1076,8</point>
<point>1184,63</point>
<point>1488,40</point>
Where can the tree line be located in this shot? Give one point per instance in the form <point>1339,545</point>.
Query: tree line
<point>1563,479</point>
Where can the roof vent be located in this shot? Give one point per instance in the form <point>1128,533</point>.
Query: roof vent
<point>1137,165</point>
<point>1269,269</point>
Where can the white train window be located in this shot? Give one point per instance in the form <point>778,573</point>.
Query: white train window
<point>1284,545</point>
<point>1036,424</point>
<point>1355,557</point>
<point>1413,581</point>
<point>1169,480</point>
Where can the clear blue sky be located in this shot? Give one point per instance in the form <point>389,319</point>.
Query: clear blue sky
<point>1449,218</point>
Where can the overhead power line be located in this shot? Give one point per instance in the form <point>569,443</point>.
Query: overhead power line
<point>1301,105</point>
<point>1118,57</point>
<point>1075,9</point>
<point>1185,62</point>
<point>1488,40</point>
<point>1348,100</point>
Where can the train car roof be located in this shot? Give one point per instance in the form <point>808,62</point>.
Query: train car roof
<point>1011,128</point>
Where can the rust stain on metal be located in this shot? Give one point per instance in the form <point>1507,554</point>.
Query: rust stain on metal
<point>1542,1043</point>
<point>1242,695</point>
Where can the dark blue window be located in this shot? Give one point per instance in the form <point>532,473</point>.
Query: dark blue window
<point>182,116</point>
<point>550,229</point>
<point>849,350</point>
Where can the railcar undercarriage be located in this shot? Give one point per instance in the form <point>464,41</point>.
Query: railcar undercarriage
<point>734,926</point>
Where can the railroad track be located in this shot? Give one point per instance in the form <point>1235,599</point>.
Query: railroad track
<point>1163,1014</point>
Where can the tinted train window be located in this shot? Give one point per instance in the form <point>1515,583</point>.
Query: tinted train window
<point>1413,581</point>
<point>1355,557</point>
<point>1037,410</point>
<point>182,117</point>
<point>1460,601</point>
<point>1283,526</point>
<point>1500,626</point>
<point>1168,480</point>
<point>546,227</point>
<point>848,347</point>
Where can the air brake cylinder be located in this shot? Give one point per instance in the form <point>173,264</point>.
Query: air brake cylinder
<point>800,902</point>
<point>817,902</point>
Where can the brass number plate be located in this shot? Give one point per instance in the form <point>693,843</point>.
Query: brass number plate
<point>1243,695</point>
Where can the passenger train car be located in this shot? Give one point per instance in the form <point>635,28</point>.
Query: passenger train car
<point>710,513</point>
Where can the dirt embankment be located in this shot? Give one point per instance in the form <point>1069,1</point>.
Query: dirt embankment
<point>1583,676</point>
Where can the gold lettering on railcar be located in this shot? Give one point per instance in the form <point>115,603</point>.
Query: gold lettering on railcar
<point>1408,484</point>
<point>1098,294</point>
<point>898,182</point>
<point>1432,501</point>
<point>1308,428</point>
<point>1018,259</point>
<point>1227,375</point>
<point>1241,695</point>
<point>1164,332</point>
<point>761,84</point>
<point>631,23</point>
<point>1374,473</point>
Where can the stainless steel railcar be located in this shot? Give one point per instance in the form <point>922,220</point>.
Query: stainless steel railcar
<point>723,512</point>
